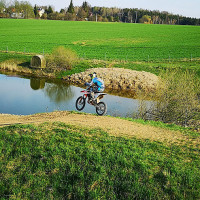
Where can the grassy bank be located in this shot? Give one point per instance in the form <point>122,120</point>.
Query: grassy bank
<point>66,162</point>
<point>22,62</point>
<point>192,132</point>
<point>153,67</point>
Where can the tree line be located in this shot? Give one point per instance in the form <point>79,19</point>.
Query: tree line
<point>86,12</point>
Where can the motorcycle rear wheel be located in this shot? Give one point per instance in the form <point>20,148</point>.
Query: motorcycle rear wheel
<point>80,103</point>
<point>101,108</point>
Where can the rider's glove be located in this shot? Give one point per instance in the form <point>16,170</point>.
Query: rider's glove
<point>87,84</point>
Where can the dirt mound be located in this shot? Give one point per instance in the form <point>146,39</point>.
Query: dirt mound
<point>119,79</point>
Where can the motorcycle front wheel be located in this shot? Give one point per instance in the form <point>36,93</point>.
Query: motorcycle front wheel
<point>101,108</point>
<point>80,103</point>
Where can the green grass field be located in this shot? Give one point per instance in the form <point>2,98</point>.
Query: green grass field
<point>93,40</point>
<point>59,161</point>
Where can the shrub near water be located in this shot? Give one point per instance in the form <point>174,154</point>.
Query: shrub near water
<point>57,161</point>
<point>176,99</point>
<point>61,59</point>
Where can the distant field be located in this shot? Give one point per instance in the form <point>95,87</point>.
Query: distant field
<point>102,40</point>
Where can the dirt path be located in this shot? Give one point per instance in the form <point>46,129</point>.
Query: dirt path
<point>114,126</point>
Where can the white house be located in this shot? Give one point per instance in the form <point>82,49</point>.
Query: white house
<point>41,11</point>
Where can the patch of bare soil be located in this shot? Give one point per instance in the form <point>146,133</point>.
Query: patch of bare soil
<point>113,126</point>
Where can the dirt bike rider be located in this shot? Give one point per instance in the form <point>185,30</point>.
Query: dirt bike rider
<point>99,85</point>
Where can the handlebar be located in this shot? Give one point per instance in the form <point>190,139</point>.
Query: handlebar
<point>88,88</point>
<point>87,84</point>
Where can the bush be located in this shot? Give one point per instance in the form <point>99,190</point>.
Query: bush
<point>177,97</point>
<point>61,59</point>
<point>105,19</point>
<point>44,16</point>
<point>145,19</point>
<point>70,16</point>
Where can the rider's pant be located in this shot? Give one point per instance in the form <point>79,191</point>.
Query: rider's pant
<point>99,89</point>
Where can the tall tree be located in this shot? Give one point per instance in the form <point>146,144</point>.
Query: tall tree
<point>49,10</point>
<point>71,8</point>
<point>62,11</point>
<point>35,10</point>
<point>81,15</point>
<point>26,9</point>
<point>2,6</point>
<point>86,6</point>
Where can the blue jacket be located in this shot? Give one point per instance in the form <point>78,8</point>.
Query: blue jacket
<point>98,82</point>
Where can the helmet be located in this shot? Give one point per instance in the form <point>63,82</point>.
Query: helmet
<point>93,75</point>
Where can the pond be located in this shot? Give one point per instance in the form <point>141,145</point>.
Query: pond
<point>23,96</point>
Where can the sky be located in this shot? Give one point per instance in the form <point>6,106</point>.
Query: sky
<point>188,8</point>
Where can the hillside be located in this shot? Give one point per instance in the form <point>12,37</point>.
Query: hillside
<point>63,155</point>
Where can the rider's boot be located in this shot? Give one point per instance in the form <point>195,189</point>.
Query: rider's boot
<point>92,99</point>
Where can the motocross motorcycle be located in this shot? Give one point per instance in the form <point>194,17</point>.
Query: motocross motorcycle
<point>101,107</point>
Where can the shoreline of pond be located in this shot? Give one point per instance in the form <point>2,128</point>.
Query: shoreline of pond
<point>120,81</point>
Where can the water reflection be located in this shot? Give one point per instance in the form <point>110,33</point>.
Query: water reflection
<point>58,92</point>
<point>37,83</point>
<point>26,96</point>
